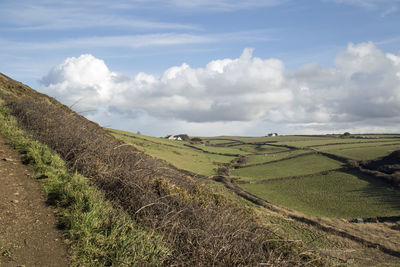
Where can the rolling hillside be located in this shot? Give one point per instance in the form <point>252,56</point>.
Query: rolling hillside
<point>281,201</point>
<point>308,178</point>
<point>185,221</point>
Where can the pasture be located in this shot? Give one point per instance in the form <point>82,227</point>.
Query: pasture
<point>268,157</point>
<point>288,170</point>
<point>306,164</point>
<point>337,194</point>
<point>335,141</point>
<point>260,148</point>
<point>222,150</point>
<point>364,151</point>
<point>175,153</point>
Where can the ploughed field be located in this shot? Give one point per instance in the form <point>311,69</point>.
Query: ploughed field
<point>310,174</point>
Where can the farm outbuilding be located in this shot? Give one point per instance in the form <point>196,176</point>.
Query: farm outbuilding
<point>173,137</point>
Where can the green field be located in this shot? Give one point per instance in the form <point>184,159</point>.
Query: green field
<point>276,138</point>
<point>222,150</point>
<point>180,156</point>
<point>337,194</point>
<point>307,164</point>
<point>254,159</point>
<point>333,194</point>
<point>361,151</point>
<point>148,138</point>
<point>312,143</point>
<point>260,148</point>
<point>221,141</point>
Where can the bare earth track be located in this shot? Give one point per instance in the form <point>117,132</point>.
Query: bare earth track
<point>28,227</point>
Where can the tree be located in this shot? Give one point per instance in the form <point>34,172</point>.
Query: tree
<point>196,139</point>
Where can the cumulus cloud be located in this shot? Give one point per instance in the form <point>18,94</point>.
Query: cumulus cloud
<point>85,79</point>
<point>363,86</point>
<point>239,89</point>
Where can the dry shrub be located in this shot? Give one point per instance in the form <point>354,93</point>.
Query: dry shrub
<point>353,163</point>
<point>242,160</point>
<point>201,228</point>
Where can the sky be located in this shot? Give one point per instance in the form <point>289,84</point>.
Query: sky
<point>212,67</point>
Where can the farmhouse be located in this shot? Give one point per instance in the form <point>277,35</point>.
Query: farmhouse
<point>272,134</point>
<point>173,137</point>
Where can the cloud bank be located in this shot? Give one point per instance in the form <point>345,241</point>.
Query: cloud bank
<point>363,86</point>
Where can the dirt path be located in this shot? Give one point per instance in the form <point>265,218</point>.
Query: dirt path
<point>28,233</point>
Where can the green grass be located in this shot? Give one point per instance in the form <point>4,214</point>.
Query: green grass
<point>382,135</point>
<point>220,142</point>
<point>97,233</point>
<point>307,164</point>
<point>223,150</point>
<point>337,194</point>
<point>362,151</point>
<point>289,138</point>
<point>357,145</point>
<point>260,148</point>
<point>148,138</point>
<point>317,142</point>
<point>182,157</point>
<point>253,159</point>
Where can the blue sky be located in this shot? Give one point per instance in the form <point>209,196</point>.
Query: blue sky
<point>212,67</point>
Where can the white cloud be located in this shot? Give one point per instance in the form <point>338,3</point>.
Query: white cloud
<point>64,16</point>
<point>136,41</point>
<point>389,11</point>
<point>363,85</point>
<point>129,41</point>
<point>84,79</point>
<point>362,89</point>
<point>239,89</point>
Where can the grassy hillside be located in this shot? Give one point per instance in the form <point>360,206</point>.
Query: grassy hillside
<point>364,151</point>
<point>176,153</point>
<point>337,194</point>
<point>268,162</point>
<point>196,226</point>
<point>268,157</point>
<point>306,164</point>
<point>194,220</point>
<point>96,232</point>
